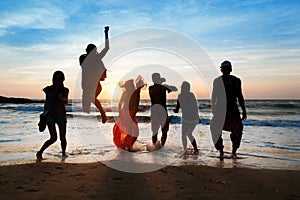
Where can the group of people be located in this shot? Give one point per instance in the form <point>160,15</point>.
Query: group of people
<point>226,91</point>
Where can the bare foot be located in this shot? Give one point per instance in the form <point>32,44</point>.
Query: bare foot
<point>64,155</point>
<point>233,156</point>
<point>39,157</point>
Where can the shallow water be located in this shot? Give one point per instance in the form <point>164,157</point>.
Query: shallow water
<point>263,145</point>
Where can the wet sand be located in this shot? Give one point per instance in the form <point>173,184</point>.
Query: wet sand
<point>50,180</point>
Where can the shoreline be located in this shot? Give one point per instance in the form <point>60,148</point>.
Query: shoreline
<point>49,180</point>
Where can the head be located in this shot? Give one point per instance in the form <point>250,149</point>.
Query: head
<point>58,78</point>
<point>90,48</point>
<point>185,87</point>
<point>157,79</point>
<point>139,82</point>
<point>226,67</point>
<point>127,85</point>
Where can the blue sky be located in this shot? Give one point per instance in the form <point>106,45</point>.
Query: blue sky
<point>261,38</point>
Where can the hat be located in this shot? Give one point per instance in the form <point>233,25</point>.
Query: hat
<point>156,78</point>
<point>226,63</point>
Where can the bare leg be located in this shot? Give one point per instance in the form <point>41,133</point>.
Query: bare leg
<point>53,138</point>
<point>164,131</point>
<point>164,137</point>
<point>62,135</point>
<point>183,136</point>
<point>189,128</point>
<point>154,128</point>
<point>154,138</point>
<point>98,103</point>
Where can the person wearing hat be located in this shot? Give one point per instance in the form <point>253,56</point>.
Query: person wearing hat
<point>225,109</point>
<point>55,112</point>
<point>159,114</point>
<point>93,71</point>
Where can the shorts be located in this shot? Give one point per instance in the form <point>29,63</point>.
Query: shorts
<point>56,119</point>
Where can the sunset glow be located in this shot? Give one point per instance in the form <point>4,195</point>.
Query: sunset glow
<point>260,38</point>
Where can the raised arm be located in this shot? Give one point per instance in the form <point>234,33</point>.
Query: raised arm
<point>106,48</point>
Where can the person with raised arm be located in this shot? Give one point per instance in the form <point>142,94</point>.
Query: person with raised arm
<point>93,71</point>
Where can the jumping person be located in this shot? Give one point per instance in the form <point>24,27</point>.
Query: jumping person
<point>126,127</point>
<point>93,71</point>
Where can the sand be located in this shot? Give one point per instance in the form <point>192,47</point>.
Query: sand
<point>49,180</point>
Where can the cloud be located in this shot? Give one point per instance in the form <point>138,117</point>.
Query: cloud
<point>2,32</point>
<point>34,18</point>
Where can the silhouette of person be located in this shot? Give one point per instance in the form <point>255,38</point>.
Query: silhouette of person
<point>126,128</point>
<point>55,112</point>
<point>93,71</point>
<point>190,117</point>
<point>233,120</point>
<point>159,114</point>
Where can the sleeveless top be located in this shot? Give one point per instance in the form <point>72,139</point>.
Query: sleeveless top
<point>54,106</point>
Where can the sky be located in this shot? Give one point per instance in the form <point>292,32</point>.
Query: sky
<point>260,37</point>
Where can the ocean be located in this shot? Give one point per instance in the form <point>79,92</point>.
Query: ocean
<point>271,137</point>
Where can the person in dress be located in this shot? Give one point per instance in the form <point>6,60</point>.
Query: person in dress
<point>126,129</point>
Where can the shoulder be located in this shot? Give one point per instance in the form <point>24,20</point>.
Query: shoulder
<point>47,89</point>
<point>66,90</point>
<point>192,95</point>
<point>179,96</point>
<point>82,58</point>
<point>236,79</point>
<point>218,80</point>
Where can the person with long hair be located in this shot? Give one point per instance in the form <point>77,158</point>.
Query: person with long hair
<point>126,127</point>
<point>55,112</point>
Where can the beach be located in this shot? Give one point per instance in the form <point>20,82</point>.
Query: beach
<point>268,164</point>
<point>48,180</point>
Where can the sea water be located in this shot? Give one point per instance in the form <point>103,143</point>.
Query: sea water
<point>271,137</point>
